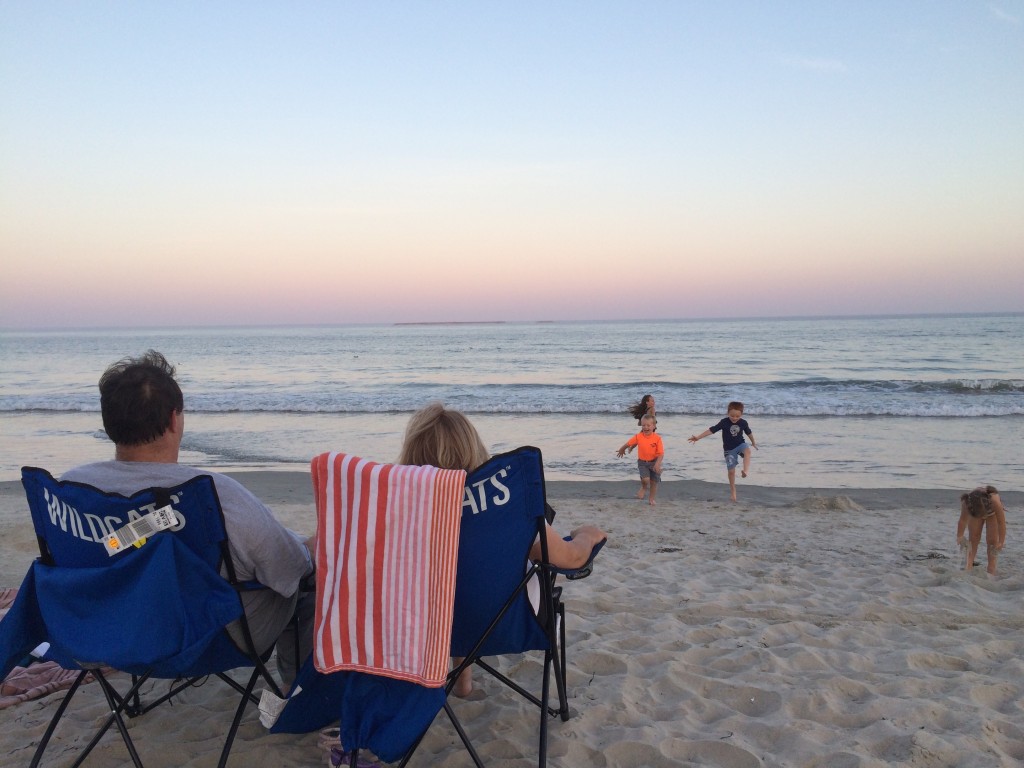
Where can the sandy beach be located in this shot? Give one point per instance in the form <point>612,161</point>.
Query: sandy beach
<point>795,628</point>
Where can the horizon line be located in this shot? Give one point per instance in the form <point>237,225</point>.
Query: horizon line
<point>715,319</point>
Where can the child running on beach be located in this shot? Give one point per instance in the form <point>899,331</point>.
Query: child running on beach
<point>982,508</point>
<point>650,453</point>
<point>732,427</point>
<point>644,407</point>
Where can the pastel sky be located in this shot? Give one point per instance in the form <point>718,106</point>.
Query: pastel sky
<point>194,163</point>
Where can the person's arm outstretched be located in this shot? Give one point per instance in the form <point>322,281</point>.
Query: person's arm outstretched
<point>961,524</point>
<point>628,445</point>
<point>695,438</point>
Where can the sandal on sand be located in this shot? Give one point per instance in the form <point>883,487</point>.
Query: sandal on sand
<point>343,759</point>
<point>329,743</point>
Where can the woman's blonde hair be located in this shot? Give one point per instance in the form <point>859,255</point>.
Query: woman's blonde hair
<point>442,438</point>
<point>978,502</point>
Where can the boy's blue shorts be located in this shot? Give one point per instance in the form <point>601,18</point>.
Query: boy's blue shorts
<point>732,458</point>
<point>647,471</point>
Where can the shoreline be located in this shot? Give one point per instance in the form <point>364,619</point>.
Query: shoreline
<point>271,487</point>
<point>275,487</point>
<point>822,453</point>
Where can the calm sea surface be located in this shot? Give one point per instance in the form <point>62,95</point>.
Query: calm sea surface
<point>899,402</point>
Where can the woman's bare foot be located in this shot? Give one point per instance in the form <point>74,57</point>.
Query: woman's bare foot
<point>464,685</point>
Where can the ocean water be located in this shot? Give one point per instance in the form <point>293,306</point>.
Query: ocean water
<point>872,402</point>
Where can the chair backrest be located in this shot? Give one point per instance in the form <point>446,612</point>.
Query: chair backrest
<point>73,519</point>
<point>503,512</point>
<point>160,608</point>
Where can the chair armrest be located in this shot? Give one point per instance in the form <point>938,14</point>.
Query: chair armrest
<point>574,574</point>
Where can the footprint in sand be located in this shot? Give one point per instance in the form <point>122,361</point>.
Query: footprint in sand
<point>600,664</point>
<point>752,702</point>
<point>1001,697</point>
<point>711,753</point>
<point>836,760</point>
<point>936,661</point>
<point>1008,737</point>
<point>636,754</point>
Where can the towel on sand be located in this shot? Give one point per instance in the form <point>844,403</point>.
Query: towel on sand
<point>35,680</point>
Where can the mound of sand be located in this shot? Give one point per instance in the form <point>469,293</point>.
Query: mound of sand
<point>827,504</point>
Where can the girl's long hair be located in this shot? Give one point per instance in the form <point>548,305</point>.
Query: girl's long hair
<point>639,409</point>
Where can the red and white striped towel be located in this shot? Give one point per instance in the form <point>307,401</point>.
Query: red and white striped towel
<point>386,553</point>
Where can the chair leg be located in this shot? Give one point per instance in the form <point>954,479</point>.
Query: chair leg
<point>560,669</point>
<point>134,709</point>
<point>243,702</point>
<point>116,715</point>
<point>545,689</point>
<point>56,718</point>
<point>117,704</point>
<point>462,735</point>
<point>177,687</point>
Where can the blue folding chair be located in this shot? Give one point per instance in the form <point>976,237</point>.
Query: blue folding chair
<point>156,610</point>
<point>504,511</point>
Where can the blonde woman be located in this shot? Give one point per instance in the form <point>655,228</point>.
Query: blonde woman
<point>439,437</point>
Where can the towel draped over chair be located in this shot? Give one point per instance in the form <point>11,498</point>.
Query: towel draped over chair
<point>386,556</point>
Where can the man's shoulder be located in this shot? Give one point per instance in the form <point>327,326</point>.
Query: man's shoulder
<point>86,469</point>
<point>131,476</point>
<point>138,468</point>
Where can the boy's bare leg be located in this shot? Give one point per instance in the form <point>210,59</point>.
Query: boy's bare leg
<point>746,462</point>
<point>732,484</point>
<point>654,492</point>
<point>643,489</point>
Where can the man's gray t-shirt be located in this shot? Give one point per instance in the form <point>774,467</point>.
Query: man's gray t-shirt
<point>262,548</point>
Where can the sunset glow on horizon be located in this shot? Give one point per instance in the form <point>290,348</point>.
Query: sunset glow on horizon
<point>267,163</point>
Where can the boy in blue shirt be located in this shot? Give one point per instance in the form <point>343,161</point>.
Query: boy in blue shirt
<point>733,427</point>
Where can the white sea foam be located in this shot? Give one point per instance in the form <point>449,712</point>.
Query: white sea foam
<point>862,401</point>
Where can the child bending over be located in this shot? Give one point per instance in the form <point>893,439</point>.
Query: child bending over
<point>982,508</point>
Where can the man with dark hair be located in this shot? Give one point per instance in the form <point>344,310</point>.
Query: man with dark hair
<point>138,397</point>
<point>143,414</point>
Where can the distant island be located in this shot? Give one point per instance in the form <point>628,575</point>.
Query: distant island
<point>457,322</point>
<point>474,322</point>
